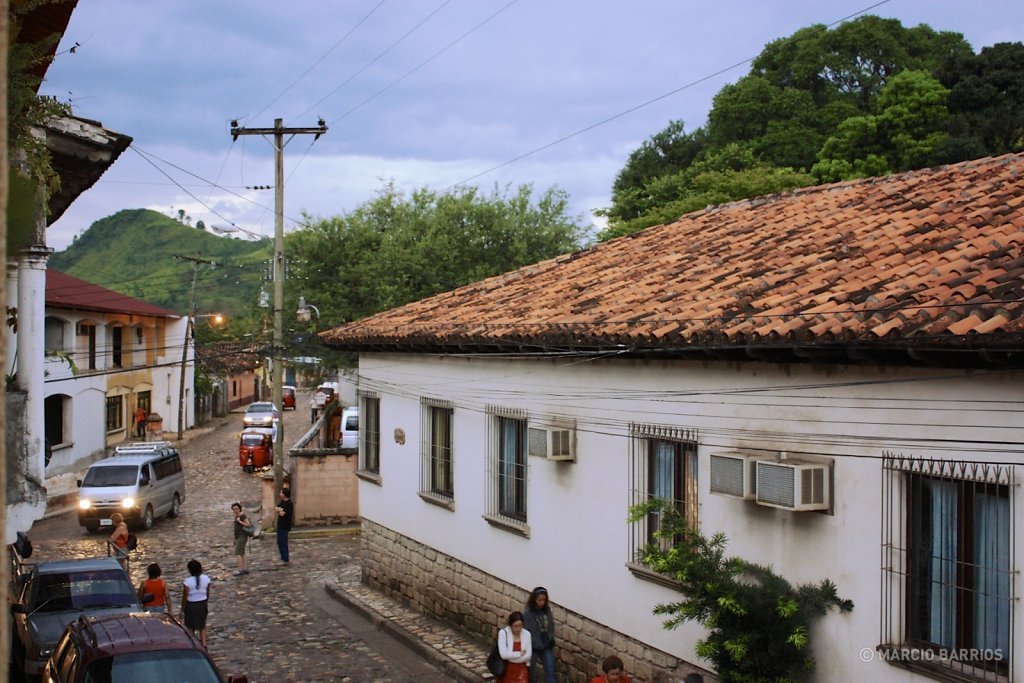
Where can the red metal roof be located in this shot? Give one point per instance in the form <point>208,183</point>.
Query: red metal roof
<point>64,291</point>
<point>931,259</point>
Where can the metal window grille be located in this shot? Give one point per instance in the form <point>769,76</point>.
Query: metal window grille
<point>436,478</point>
<point>369,437</point>
<point>506,464</point>
<point>662,464</point>
<point>947,552</point>
<point>115,414</point>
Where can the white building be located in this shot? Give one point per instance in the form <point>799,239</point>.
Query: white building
<point>105,356</point>
<point>863,341</point>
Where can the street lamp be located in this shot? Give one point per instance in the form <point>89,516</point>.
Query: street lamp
<point>189,332</point>
<point>303,313</point>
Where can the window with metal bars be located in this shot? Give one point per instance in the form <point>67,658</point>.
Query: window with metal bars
<point>663,464</point>
<point>369,438</point>
<point>507,440</point>
<point>947,566</point>
<point>436,475</point>
<point>115,413</point>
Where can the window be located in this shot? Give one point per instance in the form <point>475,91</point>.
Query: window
<point>116,346</point>
<point>53,331</point>
<point>507,449</point>
<point>369,439</point>
<point>436,451</point>
<point>115,413</point>
<point>663,464</point>
<point>88,330</point>
<point>56,418</point>
<point>947,577</point>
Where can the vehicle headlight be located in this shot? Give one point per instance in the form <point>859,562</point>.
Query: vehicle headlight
<point>128,503</point>
<point>84,503</point>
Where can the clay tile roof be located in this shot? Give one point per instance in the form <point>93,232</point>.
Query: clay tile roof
<point>932,258</point>
<point>64,291</point>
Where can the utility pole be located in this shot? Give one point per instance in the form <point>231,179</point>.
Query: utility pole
<point>277,368</point>
<point>196,264</point>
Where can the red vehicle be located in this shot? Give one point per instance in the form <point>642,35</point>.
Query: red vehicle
<point>287,397</point>
<point>256,448</point>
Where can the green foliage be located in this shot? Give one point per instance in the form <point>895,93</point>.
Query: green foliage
<point>865,98</point>
<point>758,623</point>
<point>132,252</point>
<point>396,248</point>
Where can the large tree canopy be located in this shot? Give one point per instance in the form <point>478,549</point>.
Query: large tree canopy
<point>396,248</point>
<point>865,98</point>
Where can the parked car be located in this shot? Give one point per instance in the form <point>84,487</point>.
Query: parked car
<point>255,448</point>
<point>287,397</point>
<point>350,428</point>
<point>141,481</point>
<point>146,646</point>
<point>54,594</point>
<point>261,414</point>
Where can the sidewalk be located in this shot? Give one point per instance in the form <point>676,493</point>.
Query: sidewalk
<point>445,647</point>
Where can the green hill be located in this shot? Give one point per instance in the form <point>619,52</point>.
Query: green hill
<point>133,252</point>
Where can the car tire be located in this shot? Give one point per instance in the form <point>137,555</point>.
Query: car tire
<point>175,507</point>
<point>147,518</point>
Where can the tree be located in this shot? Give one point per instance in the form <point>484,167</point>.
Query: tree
<point>397,248</point>
<point>758,624</point>
<point>986,101</point>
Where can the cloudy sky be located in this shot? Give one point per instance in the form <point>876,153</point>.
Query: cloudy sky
<point>424,93</point>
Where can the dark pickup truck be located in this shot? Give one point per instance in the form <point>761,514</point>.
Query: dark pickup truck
<point>46,597</point>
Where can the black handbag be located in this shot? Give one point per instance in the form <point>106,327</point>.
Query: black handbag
<point>495,664</point>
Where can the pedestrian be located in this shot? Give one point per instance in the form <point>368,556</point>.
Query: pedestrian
<point>693,678</point>
<point>240,524</point>
<point>140,422</point>
<point>156,588</point>
<point>195,598</point>
<point>515,648</point>
<point>614,671</point>
<point>541,625</point>
<point>119,538</point>
<point>285,512</point>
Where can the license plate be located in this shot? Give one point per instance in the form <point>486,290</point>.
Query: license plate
<point>106,522</point>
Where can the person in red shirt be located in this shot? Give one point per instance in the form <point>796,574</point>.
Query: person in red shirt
<point>614,671</point>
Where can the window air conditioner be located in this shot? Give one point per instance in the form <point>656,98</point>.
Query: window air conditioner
<point>793,485</point>
<point>552,443</point>
<point>734,474</point>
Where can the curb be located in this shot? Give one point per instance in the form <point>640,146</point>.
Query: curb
<point>439,660</point>
<point>324,533</point>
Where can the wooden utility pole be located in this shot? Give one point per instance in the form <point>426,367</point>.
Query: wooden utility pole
<point>196,264</point>
<point>277,366</point>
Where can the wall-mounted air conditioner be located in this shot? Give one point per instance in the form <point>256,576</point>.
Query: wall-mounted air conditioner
<point>552,442</point>
<point>734,474</point>
<point>794,485</point>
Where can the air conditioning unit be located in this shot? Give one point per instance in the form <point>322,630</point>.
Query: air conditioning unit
<point>793,485</point>
<point>83,329</point>
<point>552,442</point>
<point>734,474</point>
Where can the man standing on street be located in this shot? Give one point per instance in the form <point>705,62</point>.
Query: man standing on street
<point>285,511</point>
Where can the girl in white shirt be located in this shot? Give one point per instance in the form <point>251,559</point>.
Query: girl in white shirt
<point>514,647</point>
<point>194,600</point>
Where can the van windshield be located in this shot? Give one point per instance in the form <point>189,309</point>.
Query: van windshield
<point>116,475</point>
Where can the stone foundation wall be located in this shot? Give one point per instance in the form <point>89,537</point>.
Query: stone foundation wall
<point>462,595</point>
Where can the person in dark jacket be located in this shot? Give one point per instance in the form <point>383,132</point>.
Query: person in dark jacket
<point>541,625</point>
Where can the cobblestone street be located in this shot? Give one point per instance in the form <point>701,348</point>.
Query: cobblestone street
<point>277,623</point>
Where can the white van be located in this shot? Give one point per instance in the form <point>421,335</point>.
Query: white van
<point>350,428</point>
<point>142,481</point>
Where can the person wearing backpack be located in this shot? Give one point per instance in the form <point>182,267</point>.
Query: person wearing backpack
<point>243,530</point>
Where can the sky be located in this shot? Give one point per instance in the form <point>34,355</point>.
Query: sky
<point>419,93</point>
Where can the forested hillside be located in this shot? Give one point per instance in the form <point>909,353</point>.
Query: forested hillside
<point>867,98</point>
<point>133,252</point>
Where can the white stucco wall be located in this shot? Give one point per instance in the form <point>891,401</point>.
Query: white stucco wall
<point>578,544</point>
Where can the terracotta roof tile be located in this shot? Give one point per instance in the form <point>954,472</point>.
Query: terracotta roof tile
<point>932,256</point>
<point>65,291</point>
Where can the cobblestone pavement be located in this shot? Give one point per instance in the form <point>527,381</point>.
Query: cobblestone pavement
<point>278,623</point>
